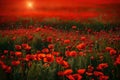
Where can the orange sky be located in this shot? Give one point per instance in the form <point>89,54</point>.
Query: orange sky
<point>21,5</point>
<point>60,7</point>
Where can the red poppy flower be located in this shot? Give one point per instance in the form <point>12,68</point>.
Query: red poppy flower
<point>15,63</point>
<point>117,60</point>
<point>68,71</point>
<point>30,57</point>
<point>30,37</point>
<point>104,77</point>
<point>108,48</point>
<point>83,38</point>
<point>102,66</point>
<point>34,57</point>
<point>8,69</point>
<point>12,53</point>
<point>18,54</point>
<point>92,58</point>
<point>74,27</point>
<point>3,57</point>
<point>13,38</point>
<point>4,67</point>
<point>81,46</point>
<point>67,41</point>
<point>89,73</point>
<point>45,50</point>
<point>49,39</point>
<point>41,56</point>
<point>50,46</point>
<point>38,29</point>
<point>64,64</point>
<point>113,52</point>
<point>70,77</point>
<point>73,54</point>
<point>26,47</point>
<point>77,76</point>
<point>60,73</point>
<point>49,58</point>
<point>81,71</point>
<point>97,73</point>
<point>59,60</point>
<point>55,53</point>
<point>81,53</point>
<point>17,47</point>
<point>5,51</point>
<point>89,30</point>
<point>90,68</point>
<point>1,62</point>
<point>67,53</point>
<point>101,57</point>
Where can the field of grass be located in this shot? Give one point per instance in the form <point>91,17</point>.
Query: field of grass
<point>59,51</point>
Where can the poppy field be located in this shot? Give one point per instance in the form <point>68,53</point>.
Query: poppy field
<point>70,52</point>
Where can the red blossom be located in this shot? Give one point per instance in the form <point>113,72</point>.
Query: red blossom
<point>15,63</point>
<point>30,37</point>
<point>77,76</point>
<point>45,50</point>
<point>13,38</point>
<point>41,56</point>
<point>74,27</point>
<point>68,71</point>
<point>60,73</point>
<point>97,73</point>
<point>3,57</point>
<point>81,71</point>
<point>55,53</point>
<point>113,52</point>
<point>18,47</point>
<point>64,64</point>
<point>67,41</point>
<point>5,51</point>
<point>117,61</point>
<point>50,46</point>
<point>59,60</point>
<point>18,54</point>
<point>70,77</point>
<point>102,66</point>
<point>48,58</point>
<point>38,29</point>
<point>81,46</point>
<point>8,69</point>
<point>104,77</point>
<point>49,39</point>
<point>83,38</point>
<point>26,47</point>
<point>89,73</point>
<point>108,48</point>
<point>71,53</point>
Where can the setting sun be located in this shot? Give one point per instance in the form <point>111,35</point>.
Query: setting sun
<point>30,5</point>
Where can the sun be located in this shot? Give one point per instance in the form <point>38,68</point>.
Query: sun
<point>30,5</point>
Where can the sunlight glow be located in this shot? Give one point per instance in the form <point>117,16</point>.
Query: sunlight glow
<point>30,5</point>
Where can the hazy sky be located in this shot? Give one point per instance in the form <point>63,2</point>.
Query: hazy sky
<point>70,8</point>
<point>38,5</point>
